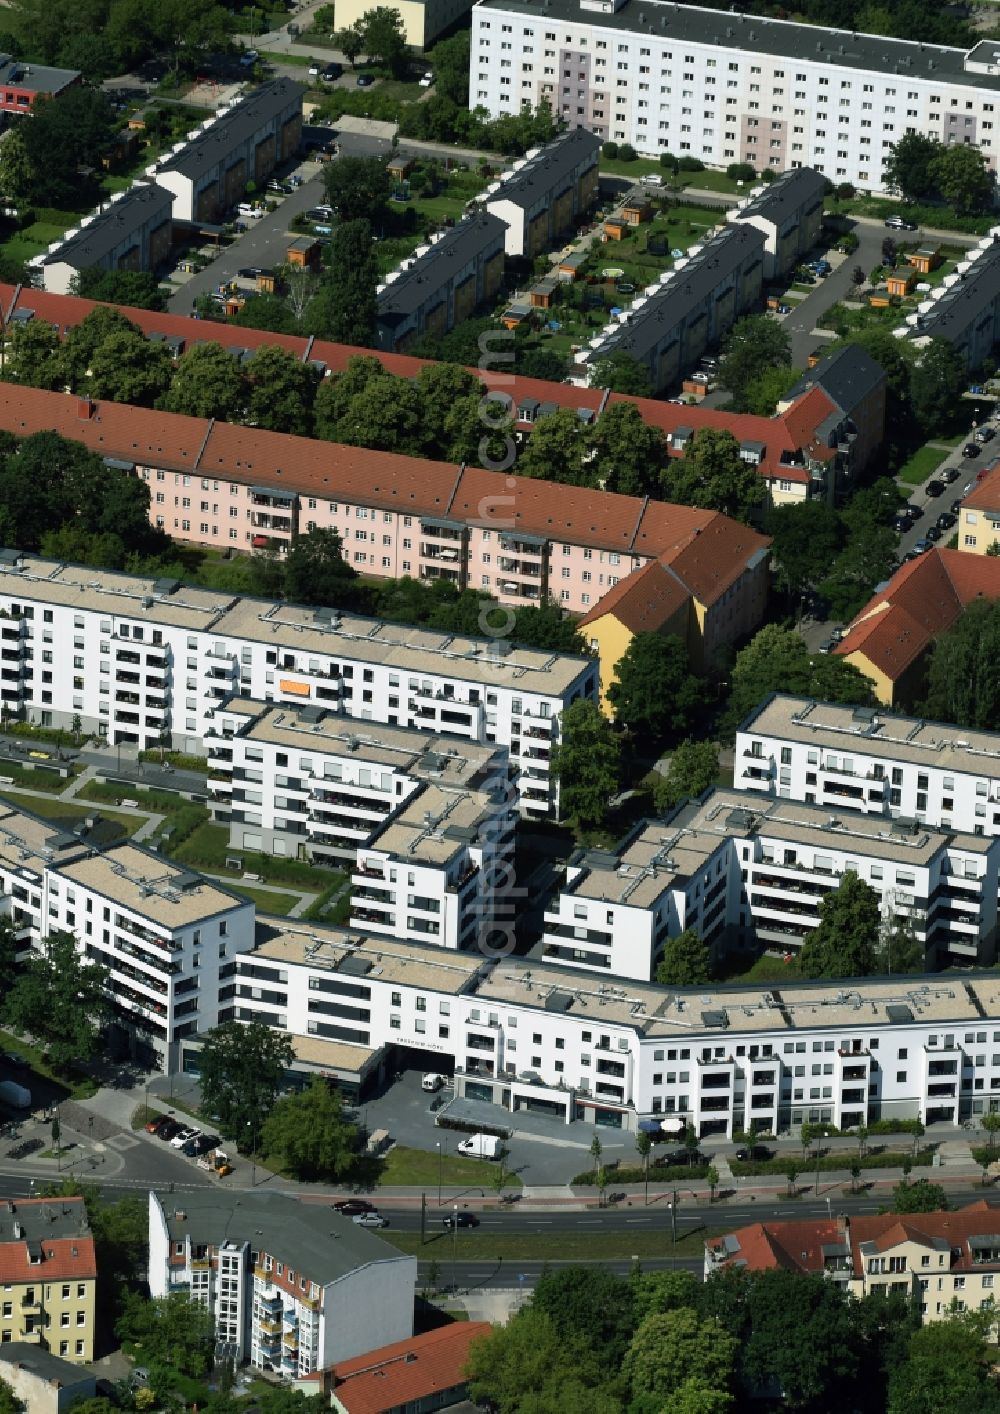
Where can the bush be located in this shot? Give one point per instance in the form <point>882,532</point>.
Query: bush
<point>467,1127</point>
<point>668,160</point>
<point>846,190</point>
<point>842,1160</point>
<point>741,172</point>
<point>690,164</point>
<point>668,1173</point>
<point>626,152</point>
<point>768,175</point>
<point>610,149</point>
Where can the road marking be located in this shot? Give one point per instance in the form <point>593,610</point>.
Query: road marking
<point>633,1221</point>
<point>540,1222</point>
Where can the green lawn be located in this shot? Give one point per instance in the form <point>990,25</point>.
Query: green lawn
<point>416,1166</point>
<point>919,467</point>
<point>68,810</point>
<point>157,802</point>
<point>473,1245</point>
<point>208,848</point>
<point>281,56</point>
<point>266,901</point>
<point>79,1087</point>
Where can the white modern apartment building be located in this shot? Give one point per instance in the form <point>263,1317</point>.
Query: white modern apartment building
<point>747,869</point>
<point>867,760</point>
<point>317,779</point>
<point>730,87</point>
<point>167,937</point>
<point>148,661</point>
<point>523,1034</point>
<point>293,1287</point>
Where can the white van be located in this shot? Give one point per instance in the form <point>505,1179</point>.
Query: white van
<point>652,179</point>
<point>432,1081</point>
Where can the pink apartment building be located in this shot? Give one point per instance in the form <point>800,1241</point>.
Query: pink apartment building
<point>224,485</point>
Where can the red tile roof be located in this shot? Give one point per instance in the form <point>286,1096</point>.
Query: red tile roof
<point>922,600</point>
<point>716,556</point>
<point>986,494</point>
<point>62,1257</point>
<point>411,1370</point>
<point>643,601</point>
<point>794,1246</point>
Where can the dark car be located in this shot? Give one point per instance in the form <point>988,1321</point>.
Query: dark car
<point>756,1154</point>
<point>946,520</point>
<point>454,1220</point>
<point>970,450</point>
<point>332,72</point>
<point>948,475</point>
<point>985,434</point>
<point>352,1207</point>
<point>956,506</point>
<point>199,1145</point>
<point>168,1130</point>
<point>933,534</point>
<point>901,524</point>
<point>935,488</point>
<point>16,1061</point>
<point>364,80</point>
<point>155,1125</point>
<point>250,272</point>
<point>678,1156</point>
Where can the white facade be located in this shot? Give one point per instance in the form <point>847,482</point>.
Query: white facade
<point>524,1034</point>
<point>291,1295</point>
<point>161,658</point>
<point>746,869</point>
<point>166,936</point>
<point>731,87</point>
<point>868,761</point>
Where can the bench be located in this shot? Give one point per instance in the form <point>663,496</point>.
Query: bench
<point>129,804</point>
<point>252,878</point>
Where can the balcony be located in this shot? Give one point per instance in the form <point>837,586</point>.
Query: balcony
<point>536,550</point>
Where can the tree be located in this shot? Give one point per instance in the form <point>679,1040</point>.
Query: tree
<point>358,188</point>
<point>84,341</point>
<point>814,1358</point>
<point>962,177</point>
<point>654,693</point>
<point>714,476</point>
<point>843,943</point>
<point>207,382</point>
<point>10,949</point>
<point>659,1291</point>
<point>991,1126</point>
<point>532,1365</point>
<point>316,571</point>
<point>384,38</point>
<point>127,367</point>
<point>806,537</point>
<point>866,560</point>
<point>282,389</point>
<point>59,997</point>
<point>557,449</point>
<point>621,373</point>
<point>9,1402</point>
<point>15,166</point>
<point>169,1330</point>
<point>243,1065</point>
<point>697,1396</point>
<point>936,383</point>
<point>908,166</point>
<point>267,311</point>
<point>34,357</point>
<point>547,627</point>
<point>139,289</point>
<point>755,344</point>
<point>674,1346</point>
<point>712,1179</point>
<point>763,394</point>
<point>947,1371</point>
<point>686,961</point>
<point>777,660</point>
<point>309,1133</point>
<point>627,453</point>
<point>919,1197</point>
<point>900,950</point>
<point>344,307</point>
<point>692,768</point>
<point>64,134</point>
<point>963,685</point>
<point>589,1304</point>
<point>350,43</point>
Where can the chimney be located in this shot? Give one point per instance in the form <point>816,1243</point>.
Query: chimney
<point>84,409</point>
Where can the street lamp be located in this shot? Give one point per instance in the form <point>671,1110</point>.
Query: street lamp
<point>454,1248</point>
<point>253,1153</point>
<point>440,1165</point>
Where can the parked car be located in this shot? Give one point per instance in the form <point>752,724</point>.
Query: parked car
<point>898,223</point>
<point>948,475</point>
<point>914,512</point>
<point>183,1136</point>
<point>828,645</point>
<point>946,520</point>
<point>783,309</point>
<point>454,1220</point>
<point>353,1207</point>
<point>985,434</point>
<point>426,80</point>
<point>755,1153</point>
<point>319,213</point>
<point>155,1125</point>
<point>200,1144</point>
<point>677,1156</point>
<point>314,68</point>
<point>332,72</point>
<point>248,59</point>
<point>933,533</point>
<point>370,1220</point>
<point>956,506</point>
<point>16,1060</point>
<point>169,1129</point>
<point>822,267</point>
<point>970,450</point>
<point>920,547</point>
<point>364,80</point>
<point>935,488</point>
<point>249,272</point>
<point>901,524</point>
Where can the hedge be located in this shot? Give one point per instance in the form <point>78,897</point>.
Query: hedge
<point>667,1173</point>
<point>467,1127</point>
<point>830,1163</point>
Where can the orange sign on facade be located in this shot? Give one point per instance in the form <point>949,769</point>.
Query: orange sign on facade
<point>297,689</point>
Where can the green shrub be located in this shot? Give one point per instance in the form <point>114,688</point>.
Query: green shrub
<point>669,1173</point>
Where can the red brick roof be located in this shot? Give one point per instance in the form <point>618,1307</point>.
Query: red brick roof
<point>792,1246</point>
<point>411,1370</point>
<point>715,556</point>
<point>986,494</point>
<point>62,1257</point>
<point>643,601</point>
<point>923,599</point>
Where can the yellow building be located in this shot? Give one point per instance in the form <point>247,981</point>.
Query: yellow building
<point>48,1272</point>
<point>652,600</point>
<point>979,518</point>
<point>423,20</point>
